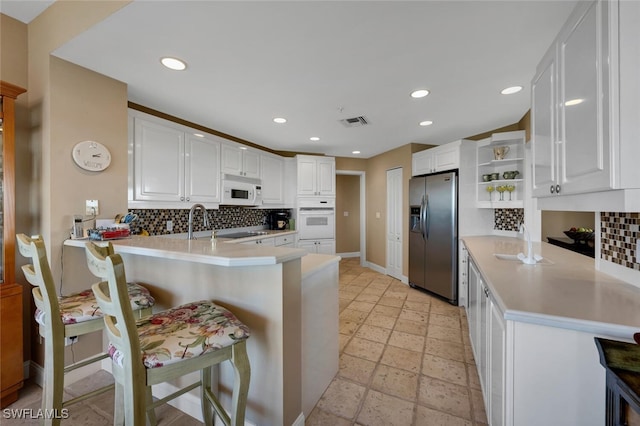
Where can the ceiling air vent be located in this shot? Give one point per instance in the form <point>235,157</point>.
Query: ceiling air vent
<point>354,122</point>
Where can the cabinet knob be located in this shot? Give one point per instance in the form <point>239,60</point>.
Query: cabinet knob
<point>552,189</point>
<point>557,189</point>
<point>181,198</point>
<point>188,199</point>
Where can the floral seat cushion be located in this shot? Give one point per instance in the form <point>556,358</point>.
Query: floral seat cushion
<point>184,332</point>
<point>82,306</point>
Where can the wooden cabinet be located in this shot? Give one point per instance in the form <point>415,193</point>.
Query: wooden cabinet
<point>272,171</point>
<point>172,163</point>
<point>584,136</point>
<point>438,159</point>
<point>316,175</point>
<point>239,160</point>
<point>318,246</point>
<point>488,163</point>
<point>11,351</point>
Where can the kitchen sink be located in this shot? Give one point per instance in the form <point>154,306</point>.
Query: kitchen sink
<point>514,258</point>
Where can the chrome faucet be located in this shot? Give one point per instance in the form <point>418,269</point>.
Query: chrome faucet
<point>204,215</point>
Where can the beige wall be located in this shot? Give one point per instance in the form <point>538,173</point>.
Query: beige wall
<point>347,200</point>
<point>376,194</point>
<point>554,222</point>
<point>66,104</point>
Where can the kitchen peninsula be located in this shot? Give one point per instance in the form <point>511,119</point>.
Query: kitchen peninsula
<point>532,330</point>
<point>265,288</point>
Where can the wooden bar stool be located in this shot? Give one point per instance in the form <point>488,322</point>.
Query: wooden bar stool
<point>191,337</point>
<point>66,316</point>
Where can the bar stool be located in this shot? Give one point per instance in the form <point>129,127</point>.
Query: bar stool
<point>66,316</point>
<point>188,338</point>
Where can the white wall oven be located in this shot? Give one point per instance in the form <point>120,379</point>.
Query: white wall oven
<point>316,223</point>
<point>316,218</point>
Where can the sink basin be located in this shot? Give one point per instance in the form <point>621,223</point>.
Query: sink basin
<point>514,257</point>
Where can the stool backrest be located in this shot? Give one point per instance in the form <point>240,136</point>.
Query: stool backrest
<point>39,275</point>
<point>113,299</point>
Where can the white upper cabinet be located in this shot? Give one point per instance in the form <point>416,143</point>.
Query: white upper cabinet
<point>240,161</point>
<point>584,136</point>
<point>316,175</point>
<point>172,165</point>
<point>437,159</point>
<point>272,169</point>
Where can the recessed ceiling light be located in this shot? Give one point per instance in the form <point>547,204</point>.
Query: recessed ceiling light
<point>243,147</point>
<point>200,135</point>
<point>314,138</point>
<point>426,123</point>
<point>511,90</point>
<point>421,93</point>
<point>355,152</point>
<point>573,102</point>
<point>173,63</point>
<point>280,120</point>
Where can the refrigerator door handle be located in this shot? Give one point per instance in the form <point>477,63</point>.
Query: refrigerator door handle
<point>423,211</point>
<point>427,217</point>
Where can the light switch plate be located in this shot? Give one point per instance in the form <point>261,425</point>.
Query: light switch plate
<point>92,208</point>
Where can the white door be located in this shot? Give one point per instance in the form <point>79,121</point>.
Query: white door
<point>394,223</point>
<point>231,160</point>
<point>307,172</point>
<point>250,164</point>
<point>272,170</point>
<point>326,176</point>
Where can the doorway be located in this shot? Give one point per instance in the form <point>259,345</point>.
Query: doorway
<point>351,235</point>
<point>395,205</point>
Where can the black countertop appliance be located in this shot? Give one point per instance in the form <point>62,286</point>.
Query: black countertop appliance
<point>278,220</point>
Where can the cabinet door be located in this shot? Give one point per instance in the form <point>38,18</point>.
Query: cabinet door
<point>496,365</point>
<point>483,339</point>
<point>309,246</point>
<point>158,162</point>
<point>326,176</point>
<point>473,314</point>
<point>272,169</point>
<point>446,159</point>
<point>326,247</point>
<point>543,138</point>
<point>307,172</point>
<point>285,240</point>
<point>583,103</point>
<point>421,163</point>
<point>231,160</point>
<point>250,164</point>
<point>202,170</point>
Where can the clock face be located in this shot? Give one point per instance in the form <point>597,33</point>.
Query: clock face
<point>91,155</point>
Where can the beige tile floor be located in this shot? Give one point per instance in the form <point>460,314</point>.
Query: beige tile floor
<point>405,360</point>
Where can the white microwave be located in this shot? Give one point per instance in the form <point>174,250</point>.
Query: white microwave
<point>241,191</point>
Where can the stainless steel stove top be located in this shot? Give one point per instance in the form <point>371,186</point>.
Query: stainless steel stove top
<point>244,234</point>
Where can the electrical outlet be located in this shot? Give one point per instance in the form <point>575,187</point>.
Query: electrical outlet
<point>68,341</point>
<point>92,208</point>
<point>169,225</point>
<point>346,214</point>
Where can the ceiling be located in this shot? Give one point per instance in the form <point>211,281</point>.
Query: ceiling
<point>317,62</point>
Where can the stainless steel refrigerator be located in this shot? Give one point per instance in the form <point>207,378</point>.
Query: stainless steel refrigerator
<point>433,234</point>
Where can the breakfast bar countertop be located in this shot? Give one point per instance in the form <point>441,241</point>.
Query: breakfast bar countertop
<point>202,250</point>
<point>564,291</point>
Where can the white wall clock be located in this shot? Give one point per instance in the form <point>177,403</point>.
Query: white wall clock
<point>91,155</point>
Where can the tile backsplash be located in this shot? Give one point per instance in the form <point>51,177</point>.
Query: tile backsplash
<point>619,233</point>
<point>507,219</point>
<point>155,220</point>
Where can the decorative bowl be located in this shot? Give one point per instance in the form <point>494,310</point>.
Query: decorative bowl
<point>579,236</point>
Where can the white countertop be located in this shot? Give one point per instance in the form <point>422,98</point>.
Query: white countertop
<point>203,251</point>
<point>568,292</point>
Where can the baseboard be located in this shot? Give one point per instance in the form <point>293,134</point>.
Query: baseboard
<point>352,254</point>
<point>26,369</point>
<point>299,421</point>
<point>37,372</point>
<point>376,268</point>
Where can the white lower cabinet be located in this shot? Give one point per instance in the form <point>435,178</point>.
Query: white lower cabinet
<point>530,373</point>
<point>318,246</point>
<point>261,242</point>
<point>487,333</point>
